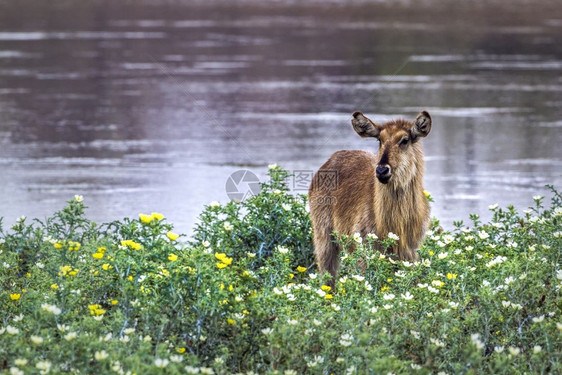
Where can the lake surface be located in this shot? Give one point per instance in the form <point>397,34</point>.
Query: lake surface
<point>147,106</point>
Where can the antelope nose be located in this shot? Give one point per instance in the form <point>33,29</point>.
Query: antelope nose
<point>383,170</point>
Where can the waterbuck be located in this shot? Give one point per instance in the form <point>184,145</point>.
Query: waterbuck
<point>362,192</point>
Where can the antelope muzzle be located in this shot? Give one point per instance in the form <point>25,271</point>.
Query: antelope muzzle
<point>383,173</point>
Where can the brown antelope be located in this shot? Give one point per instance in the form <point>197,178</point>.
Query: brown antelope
<point>362,192</point>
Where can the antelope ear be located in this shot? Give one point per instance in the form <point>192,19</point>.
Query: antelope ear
<point>421,127</point>
<point>364,127</point>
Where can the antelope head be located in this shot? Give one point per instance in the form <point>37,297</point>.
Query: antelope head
<point>399,154</point>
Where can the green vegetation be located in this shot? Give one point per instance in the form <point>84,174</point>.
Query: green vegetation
<point>243,296</point>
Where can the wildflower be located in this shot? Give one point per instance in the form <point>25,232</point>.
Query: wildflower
<point>97,255</point>
<point>506,304</point>
<point>346,339</point>
<point>131,244</point>
<point>454,305</point>
<point>437,283</point>
<point>172,257</point>
<point>357,237</point>
<point>227,226</point>
<point>214,204</point>
<point>176,358</point>
<point>483,235</point>
<point>96,310</point>
<point>20,362</point>
<point>100,355</point>
<point>537,349</point>
<point>328,296</point>
<point>475,338</point>
<point>514,350</point>
<point>231,321</point>
<point>537,197</point>
<point>157,216</point>
<point>106,266</point>
<point>407,296</point>
<point>36,339</point>
<point>493,207</point>
<point>538,319</point>
<point>443,255</point>
<point>73,246</point>
<point>44,366</point>
<point>388,297</point>
<point>432,289</point>
<point>326,288</point>
<point>282,250</point>
<point>78,198</point>
<point>146,219</point>
<point>15,296</point>
<point>181,350</point>
<point>451,276</point>
<point>12,330</point>
<point>172,236</point>
<point>427,194</point>
<point>51,308</point>
<point>498,349</point>
<point>372,236</point>
<point>301,269</point>
<point>70,336</point>
<point>272,166</point>
<point>16,371</point>
<point>437,342</point>
<point>393,236</point>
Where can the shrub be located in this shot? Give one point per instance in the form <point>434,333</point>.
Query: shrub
<point>243,295</point>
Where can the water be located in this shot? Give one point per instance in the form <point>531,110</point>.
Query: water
<point>150,106</point>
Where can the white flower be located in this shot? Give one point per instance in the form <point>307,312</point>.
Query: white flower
<point>357,237</point>
<point>206,243</point>
<point>78,198</point>
<point>346,340</point>
<point>506,303</point>
<point>400,273</point>
<point>407,296</point>
<point>227,226</point>
<point>147,338</point>
<point>70,336</point>
<point>509,280</point>
<point>16,371</point>
<point>286,206</point>
<point>36,339</point>
<point>292,322</point>
<point>51,308</point>
<point>207,370</point>
<point>416,334</point>
<point>475,338</point>
<point>20,362</point>
<point>388,297</point>
<point>176,358</point>
<point>514,350</point>
<point>537,349</point>
<point>214,204</point>
<point>359,278</point>
<point>101,355</point>
<point>267,331</point>
<point>483,235</point>
<point>12,330</point>
<point>432,289</point>
<point>393,236</point>
<point>317,322</point>
<point>272,166</point>
<point>282,250</point>
<point>442,255</point>
<point>492,207</point>
<point>44,366</point>
<point>372,236</point>
<point>448,238</point>
<point>387,307</point>
<point>538,319</point>
<point>290,372</point>
<point>453,305</point>
<point>161,363</point>
<point>498,349</point>
<point>426,263</point>
<point>374,310</point>
<point>537,197</point>
<point>559,274</point>
<point>437,342</point>
<point>415,366</point>
<point>129,331</point>
<point>312,276</point>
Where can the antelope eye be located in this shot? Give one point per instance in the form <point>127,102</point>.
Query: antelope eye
<point>403,142</point>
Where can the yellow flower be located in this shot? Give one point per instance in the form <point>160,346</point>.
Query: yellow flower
<point>328,296</point>
<point>301,269</point>
<point>291,275</point>
<point>180,350</point>
<point>326,288</point>
<point>231,321</point>
<point>73,246</point>
<point>389,280</point>
<point>230,288</point>
<point>54,286</point>
<point>98,255</point>
<point>220,256</point>
<point>73,272</point>
<point>431,253</point>
<point>96,310</point>
<point>157,216</point>
<point>426,193</point>
<point>102,249</point>
<point>15,296</point>
<point>113,301</point>
<point>221,265</point>
<point>64,270</point>
<point>165,272</point>
<point>172,236</point>
<point>172,257</point>
<point>28,274</point>
<point>130,278</point>
<point>131,244</point>
<point>227,261</point>
<point>385,288</point>
<point>106,266</point>
<point>57,245</point>
<point>451,276</point>
<point>146,219</point>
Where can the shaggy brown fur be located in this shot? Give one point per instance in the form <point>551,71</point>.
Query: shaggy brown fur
<point>364,199</point>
